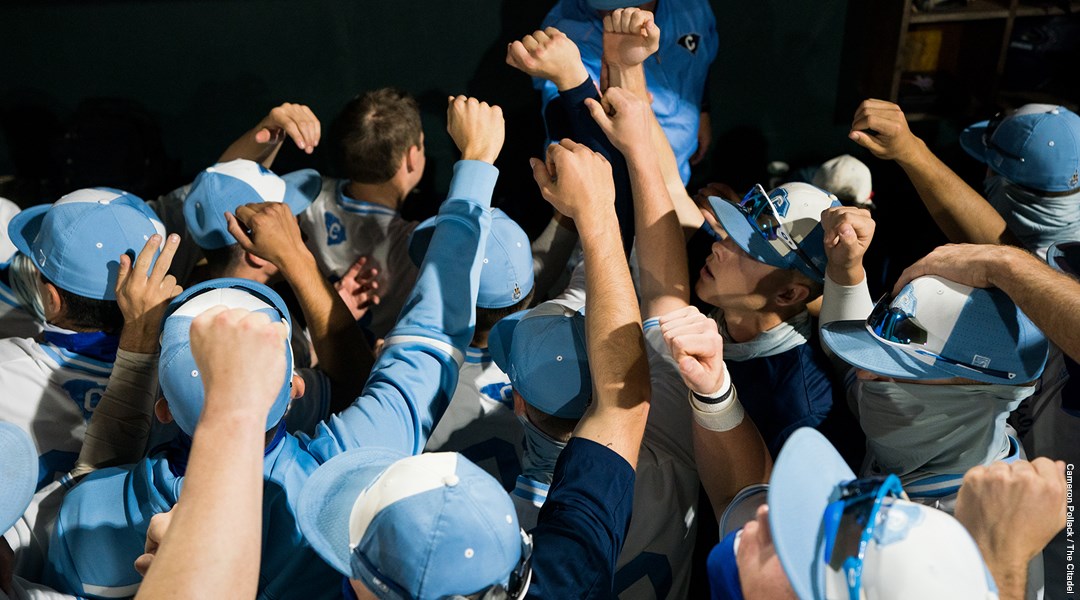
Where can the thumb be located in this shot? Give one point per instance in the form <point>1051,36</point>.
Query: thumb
<point>540,173</point>
<point>863,139</point>
<point>692,373</point>
<point>123,271</point>
<point>597,111</point>
<point>238,232</point>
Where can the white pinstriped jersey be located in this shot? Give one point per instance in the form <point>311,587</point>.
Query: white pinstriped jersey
<point>656,558</point>
<point>340,229</point>
<point>15,321</point>
<point>480,421</point>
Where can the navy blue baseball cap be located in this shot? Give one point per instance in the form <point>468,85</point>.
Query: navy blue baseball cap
<point>227,186</point>
<point>178,374</point>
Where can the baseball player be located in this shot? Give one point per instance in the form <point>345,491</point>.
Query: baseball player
<point>676,77</point>
<point>480,422</point>
<point>54,383</point>
<point>406,393</point>
<point>19,316</point>
<point>435,526</point>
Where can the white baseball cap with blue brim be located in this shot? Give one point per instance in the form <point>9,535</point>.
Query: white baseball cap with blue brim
<point>940,329</point>
<point>179,377</point>
<point>1037,146</point>
<point>506,276</point>
<point>415,527</point>
<point>781,228</point>
<point>913,551</point>
<point>76,242</point>
<point>542,351</point>
<point>227,186</point>
<point>18,472</point>
<point>1065,257</point>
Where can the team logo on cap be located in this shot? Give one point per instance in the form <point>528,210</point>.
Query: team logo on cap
<point>1075,178</point>
<point>690,41</point>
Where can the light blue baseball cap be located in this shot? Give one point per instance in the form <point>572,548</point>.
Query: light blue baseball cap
<point>507,272</point>
<point>796,208</point>
<point>542,351</point>
<point>76,242</point>
<point>1037,146</point>
<point>178,375</point>
<point>18,472</point>
<point>414,527</point>
<point>227,186</point>
<point>1065,257</point>
<point>953,330</point>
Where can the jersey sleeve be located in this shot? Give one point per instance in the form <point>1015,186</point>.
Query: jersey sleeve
<point>585,517</point>
<point>416,374</point>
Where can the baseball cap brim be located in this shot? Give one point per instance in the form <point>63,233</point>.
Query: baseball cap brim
<point>24,228</point>
<point>743,233</point>
<point>856,346</point>
<point>327,500</point>
<point>804,481</point>
<point>501,339</point>
<point>971,140</point>
<point>1065,257</point>
<point>301,189</point>
<point>18,471</point>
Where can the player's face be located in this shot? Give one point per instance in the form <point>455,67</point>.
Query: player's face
<point>731,279</point>
<point>760,573</point>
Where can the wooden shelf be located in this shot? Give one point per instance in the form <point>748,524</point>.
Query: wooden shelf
<point>1026,10</point>
<point>977,10</point>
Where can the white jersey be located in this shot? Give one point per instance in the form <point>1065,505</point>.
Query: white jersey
<point>340,229</point>
<point>15,321</point>
<point>24,590</point>
<point>657,556</point>
<point>50,393</point>
<point>480,421</point>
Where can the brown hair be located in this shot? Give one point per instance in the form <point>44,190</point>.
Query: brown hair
<point>377,128</point>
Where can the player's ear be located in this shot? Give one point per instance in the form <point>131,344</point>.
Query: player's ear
<point>254,261</point>
<point>298,387</point>
<point>519,403</point>
<point>793,294</point>
<point>162,412</point>
<point>51,301</point>
<point>413,157</point>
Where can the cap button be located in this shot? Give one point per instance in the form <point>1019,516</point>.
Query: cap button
<point>1051,143</point>
<point>450,480</point>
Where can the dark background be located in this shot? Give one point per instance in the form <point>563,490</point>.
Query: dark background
<point>196,74</point>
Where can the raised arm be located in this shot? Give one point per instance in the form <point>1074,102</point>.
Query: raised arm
<point>1050,298</point>
<point>848,233</point>
<point>120,426</point>
<point>728,448</point>
<point>271,232</point>
<point>262,142</point>
<point>577,181</point>
<point>212,545</point>
<point>961,213</point>
<point>661,250</point>
<point>631,36</point>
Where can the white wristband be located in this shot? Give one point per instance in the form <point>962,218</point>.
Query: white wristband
<point>723,414</point>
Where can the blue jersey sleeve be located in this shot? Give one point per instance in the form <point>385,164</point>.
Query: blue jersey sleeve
<point>586,516</point>
<point>414,378</point>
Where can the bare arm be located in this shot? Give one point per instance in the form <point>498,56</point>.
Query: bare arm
<point>662,278</point>
<point>220,509</point>
<point>1050,298</point>
<point>631,35</point>
<point>585,192</point>
<point>343,355</point>
<point>961,212</point>
<point>262,142</point>
<point>729,450</point>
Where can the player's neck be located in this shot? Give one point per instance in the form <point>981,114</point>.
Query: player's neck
<point>388,193</point>
<point>480,340</point>
<point>745,325</point>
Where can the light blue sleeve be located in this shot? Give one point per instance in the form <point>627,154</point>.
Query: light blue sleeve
<point>415,376</point>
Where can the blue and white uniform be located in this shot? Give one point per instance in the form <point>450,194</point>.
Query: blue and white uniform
<point>675,75</point>
<point>102,526</point>
<point>340,229</point>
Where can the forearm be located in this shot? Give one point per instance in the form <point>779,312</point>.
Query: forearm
<point>620,407</point>
<point>661,250</point>
<point>120,426</point>
<point>959,211</point>
<point>551,251</point>
<point>729,461</point>
<point>1049,298</point>
<point>343,355</point>
<point>219,509</point>
<point>247,148</point>
<point>1011,579</point>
